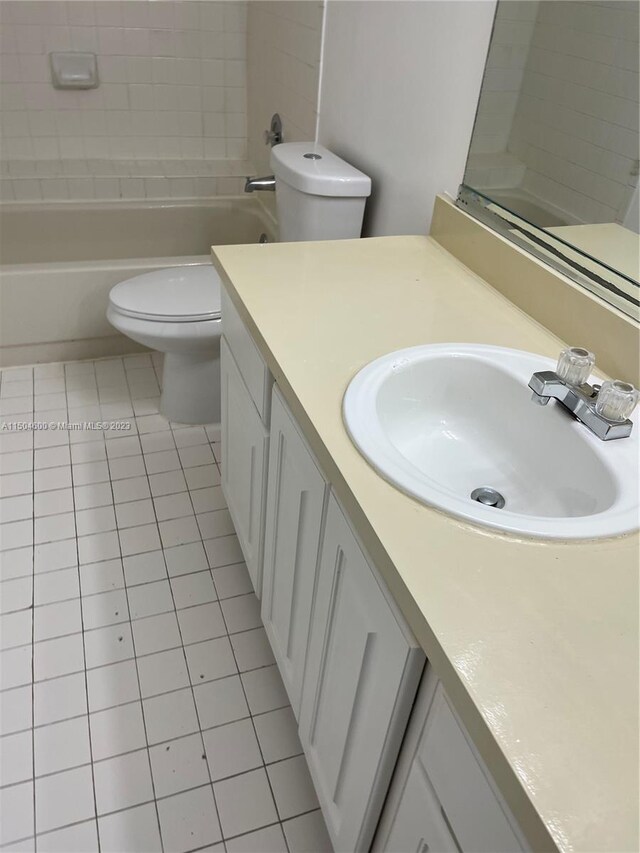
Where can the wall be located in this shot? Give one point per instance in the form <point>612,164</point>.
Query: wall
<point>173,88</point>
<point>576,124</point>
<point>403,112</point>
<point>283,67</point>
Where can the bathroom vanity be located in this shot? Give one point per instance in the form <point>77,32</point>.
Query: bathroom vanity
<point>455,688</point>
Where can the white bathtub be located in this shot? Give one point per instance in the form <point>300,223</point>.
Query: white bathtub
<point>58,262</point>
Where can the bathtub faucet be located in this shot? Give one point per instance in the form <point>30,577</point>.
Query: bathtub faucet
<point>253,184</point>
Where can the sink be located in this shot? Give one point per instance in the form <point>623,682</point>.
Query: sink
<point>443,421</point>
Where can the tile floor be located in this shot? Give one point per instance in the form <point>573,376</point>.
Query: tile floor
<point>140,707</point>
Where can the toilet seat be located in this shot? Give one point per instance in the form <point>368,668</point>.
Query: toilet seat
<point>186,294</point>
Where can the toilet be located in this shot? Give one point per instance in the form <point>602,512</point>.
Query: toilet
<point>177,311</point>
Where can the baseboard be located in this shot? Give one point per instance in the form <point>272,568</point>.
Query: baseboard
<point>103,347</point>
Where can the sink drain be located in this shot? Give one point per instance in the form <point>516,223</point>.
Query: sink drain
<point>488,496</point>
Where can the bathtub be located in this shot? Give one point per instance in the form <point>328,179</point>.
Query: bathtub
<point>58,262</point>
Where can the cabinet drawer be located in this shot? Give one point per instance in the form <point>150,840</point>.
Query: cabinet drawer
<point>474,813</point>
<point>251,365</point>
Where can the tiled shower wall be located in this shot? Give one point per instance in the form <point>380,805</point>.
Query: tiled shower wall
<point>506,60</point>
<point>576,124</point>
<point>284,41</point>
<point>172,88</point>
<point>558,114</point>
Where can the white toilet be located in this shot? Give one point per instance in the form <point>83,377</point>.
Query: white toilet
<point>177,310</point>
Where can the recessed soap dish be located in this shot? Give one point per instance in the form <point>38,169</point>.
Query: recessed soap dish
<point>74,70</point>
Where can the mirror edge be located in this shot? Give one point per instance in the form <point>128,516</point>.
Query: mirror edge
<point>607,284</point>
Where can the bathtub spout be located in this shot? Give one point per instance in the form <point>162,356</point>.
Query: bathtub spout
<point>253,184</point>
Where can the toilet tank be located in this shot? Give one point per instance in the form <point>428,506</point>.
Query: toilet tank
<point>318,195</point>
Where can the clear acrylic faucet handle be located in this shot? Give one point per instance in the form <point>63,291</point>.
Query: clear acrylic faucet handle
<point>575,365</point>
<point>616,400</point>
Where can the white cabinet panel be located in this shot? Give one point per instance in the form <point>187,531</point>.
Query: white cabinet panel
<point>245,447</point>
<point>249,362</point>
<point>361,676</point>
<point>295,501</point>
<point>418,825</point>
<point>462,785</point>
<point>442,798</point>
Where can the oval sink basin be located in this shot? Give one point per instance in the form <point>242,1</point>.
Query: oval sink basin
<point>443,421</point>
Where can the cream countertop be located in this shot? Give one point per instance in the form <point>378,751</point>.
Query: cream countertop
<point>536,642</point>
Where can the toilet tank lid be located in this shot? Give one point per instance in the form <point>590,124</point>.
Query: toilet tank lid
<point>323,173</point>
<point>176,294</point>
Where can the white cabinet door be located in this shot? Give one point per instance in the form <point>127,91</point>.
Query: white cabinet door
<point>245,447</point>
<point>477,818</point>
<point>419,825</point>
<point>250,363</point>
<point>362,672</point>
<point>295,501</point>
<point>442,798</point>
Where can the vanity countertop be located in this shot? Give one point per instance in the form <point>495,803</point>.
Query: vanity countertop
<point>536,642</point>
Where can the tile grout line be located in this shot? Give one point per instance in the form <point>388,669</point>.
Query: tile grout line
<point>244,692</point>
<point>135,618</point>
<point>116,588</point>
<point>135,658</point>
<point>200,539</point>
<point>107,480</point>
<point>147,654</point>
<point>132,527</point>
<point>33,619</point>
<point>84,650</point>
<point>275,802</point>
<point>133,702</point>
<point>124,622</point>
<point>255,732</point>
<point>142,749</point>
<point>184,654</point>
<point>149,802</point>
<point>209,442</point>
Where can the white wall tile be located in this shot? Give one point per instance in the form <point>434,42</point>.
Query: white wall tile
<point>283,47</point>
<point>572,117</point>
<point>173,61</point>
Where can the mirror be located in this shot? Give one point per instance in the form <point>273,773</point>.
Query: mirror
<point>553,161</point>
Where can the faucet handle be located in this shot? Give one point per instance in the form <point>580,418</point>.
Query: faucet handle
<point>575,365</point>
<point>616,400</point>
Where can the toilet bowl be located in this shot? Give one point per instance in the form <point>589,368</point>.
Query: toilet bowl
<point>177,312</point>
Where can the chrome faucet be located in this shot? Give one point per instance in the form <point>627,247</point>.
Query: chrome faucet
<point>253,184</point>
<point>603,409</point>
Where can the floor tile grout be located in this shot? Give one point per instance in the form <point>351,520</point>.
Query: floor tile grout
<point>134,702</point>
<point>155,443</point>
<point>148,802</point>
<point>144,719</point>
<point>123,660</point>
<point>33,664</point>
<point>186,663</point>
<point>86,684</point>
